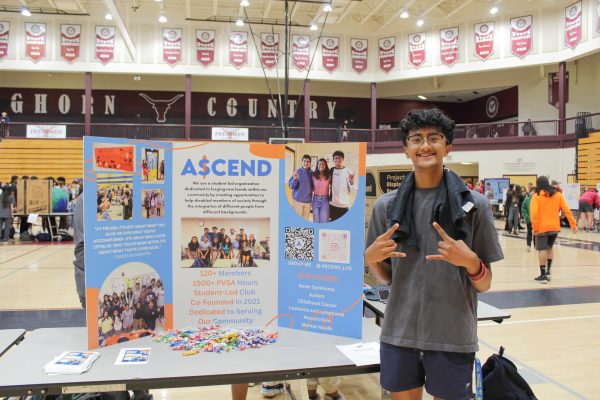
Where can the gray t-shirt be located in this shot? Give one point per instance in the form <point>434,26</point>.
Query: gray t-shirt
<point>432,304</point>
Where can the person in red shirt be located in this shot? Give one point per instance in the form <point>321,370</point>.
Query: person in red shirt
<point>587,202</point>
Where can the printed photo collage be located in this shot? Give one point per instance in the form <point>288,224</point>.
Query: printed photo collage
<point>118,198</point>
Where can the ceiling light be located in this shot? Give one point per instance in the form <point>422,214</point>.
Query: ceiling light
<point>244,3</point>
<point>422,97</point>
<point>314,27</point>
<point>162,19</point>
<point>327,8</point>
<point>239,22</point>
<point>404,14</point>
<point>420,22</point>
<point>108,17</point>
<point>493,10</point>
<point>25,12</point>
<point>137,78</point>
<point>466,163</point>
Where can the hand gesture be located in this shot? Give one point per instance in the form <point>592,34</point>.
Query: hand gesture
<point>295,175</point>
<point>351,177</point>
<point>455,252</point>
<point>383,248</point>
<point>574,229</point>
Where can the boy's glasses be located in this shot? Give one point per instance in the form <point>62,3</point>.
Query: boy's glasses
<point>433,139</point>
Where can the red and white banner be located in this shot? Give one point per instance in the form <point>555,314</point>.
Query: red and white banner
<point>172,45</point>
<point>238,48</point>
<point>598,16</point>
<point>301,51</point>
<point>269,49</point>
<point>70,42</point>
<point>4,37</point>
<point>573,25</point>
<point>359,54</point>
<point>105,43</point>
<point>330,51</point>
<point>484,40</point>
<point>205,46</point>
<point>387,53</point>
<point>35,40</point>
<point>416,49</point>
<point>521,35</point>
<point>449,46</point>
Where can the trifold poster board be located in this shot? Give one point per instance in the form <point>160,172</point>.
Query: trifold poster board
<point>217,238</point>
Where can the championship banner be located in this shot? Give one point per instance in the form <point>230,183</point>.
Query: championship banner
<point>172,45</point>
<point>573,25</point>
<point>387,53</point>
<point>521,35</point>
<point>238,49</point>
<point>205,46</point>
<point>449,46</point>
<point>70,42</point>
<point>416,49</point>
<point>359,54</point>
<point>269,49</point>
<point>202,234</point>
<point>105,43</point>
<point>4,38</point>
<point>484,40</point>
<point>35,40</point>
<point>330,51</point>
<point>301,51</point>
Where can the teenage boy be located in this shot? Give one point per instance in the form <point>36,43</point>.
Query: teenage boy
<point>301,185</point>
<point>342,184</point>
<point>433,240</point>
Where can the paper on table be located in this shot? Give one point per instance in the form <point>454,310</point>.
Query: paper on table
<point>133,356</point>
<point>32,218</point>
<point>361,353</point>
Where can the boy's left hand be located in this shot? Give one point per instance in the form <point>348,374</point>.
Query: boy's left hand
<point>455,252</point>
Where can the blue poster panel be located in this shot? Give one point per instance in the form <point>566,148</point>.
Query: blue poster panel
<point>193,234</point>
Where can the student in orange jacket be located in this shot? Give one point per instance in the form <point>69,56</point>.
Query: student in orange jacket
<point>545,207</point>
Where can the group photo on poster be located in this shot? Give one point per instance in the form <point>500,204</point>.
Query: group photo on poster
<point>225,242</point>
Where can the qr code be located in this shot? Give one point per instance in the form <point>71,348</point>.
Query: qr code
<point>334,246</point>
<point>299,243</point>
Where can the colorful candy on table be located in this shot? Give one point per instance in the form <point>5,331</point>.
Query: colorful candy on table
<point>216,339</point>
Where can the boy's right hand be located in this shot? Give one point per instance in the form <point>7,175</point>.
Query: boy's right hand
<point>383,247</point>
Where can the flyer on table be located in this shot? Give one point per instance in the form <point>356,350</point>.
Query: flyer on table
<point>190,234</point>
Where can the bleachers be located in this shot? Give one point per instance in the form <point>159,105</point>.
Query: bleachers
<point>41,158</point>
<point>588,159</point>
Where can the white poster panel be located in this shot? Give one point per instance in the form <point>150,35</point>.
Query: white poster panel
<point>46,131</point>
<point>571,191</point>
<point>239,134</point>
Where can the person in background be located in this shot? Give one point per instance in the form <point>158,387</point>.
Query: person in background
<point>7,206</point>
<point>489,193</point>
<point>545,222</point>
<point>587,202</point>
<point>514,214</point>
<point>525,213</point>
<point>302,188</point>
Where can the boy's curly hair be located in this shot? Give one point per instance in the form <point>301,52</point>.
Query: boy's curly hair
<point>427,118</point>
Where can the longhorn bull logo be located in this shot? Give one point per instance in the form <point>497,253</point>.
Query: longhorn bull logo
<point>161,106</point>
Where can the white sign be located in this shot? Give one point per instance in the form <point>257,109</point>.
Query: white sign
<point>46,131</point>
<point>571,192</point>
<point>240,134</point>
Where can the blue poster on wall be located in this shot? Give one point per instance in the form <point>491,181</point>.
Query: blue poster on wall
<point>499,186</point>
